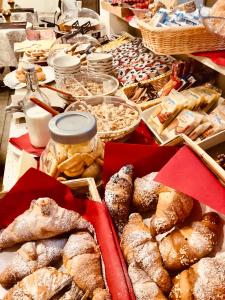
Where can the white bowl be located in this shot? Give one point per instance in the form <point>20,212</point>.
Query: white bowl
<point>99,57</point>
<point>66,61</point>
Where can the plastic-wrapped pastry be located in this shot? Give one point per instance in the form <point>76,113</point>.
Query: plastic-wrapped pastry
<point>184,123</point>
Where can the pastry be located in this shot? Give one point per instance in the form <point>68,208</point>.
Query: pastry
<point>73,292</point>
<point>101,294</point>
<point>138,247</point>
<point>44,219</point>
<point>204,280</point>
<point>185,246</point>
<point>172,209</point>
<point>82,260</point>
<point>146,192</point>
<point>41,285</point>
<point>30,257</point>
<point>144,287</point>
<point>118,194</point>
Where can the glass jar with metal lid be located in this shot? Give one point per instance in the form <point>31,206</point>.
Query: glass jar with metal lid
<point>74,150</point>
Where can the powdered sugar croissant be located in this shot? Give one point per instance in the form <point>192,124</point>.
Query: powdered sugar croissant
<point>183,247</point>
<point>81,259</point>
<point>204,280</point>
<point>118,193</point>
<point>41,285</point>
<point>139,247</point>
<point>30,257</point>
<point>44,219</point>
<point>172,209</point>
<point>144,287</point>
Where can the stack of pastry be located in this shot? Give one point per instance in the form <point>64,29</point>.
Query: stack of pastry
<point>166,260</point>
<point>34,272</point>
<point>21,76</point>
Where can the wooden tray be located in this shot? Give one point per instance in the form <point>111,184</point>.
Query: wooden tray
<point>76,185</point>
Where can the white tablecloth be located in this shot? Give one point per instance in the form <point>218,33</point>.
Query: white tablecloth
<point>7,39</point>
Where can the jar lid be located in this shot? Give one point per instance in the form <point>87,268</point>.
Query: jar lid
<point>73,127</point>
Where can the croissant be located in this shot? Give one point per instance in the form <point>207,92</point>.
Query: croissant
<point>118,194</point>
<point>44,219</point>
<point>143,286</point>
<point>81,259</point>
<point>138,247</point>
<point>43,284</point>
<point>30,257</point>
<point>185,246</point>
<point>146,193</point>
<point>72,292</point>
<point>172,209</point>
<point>204,280</point>
<point>101,294</point>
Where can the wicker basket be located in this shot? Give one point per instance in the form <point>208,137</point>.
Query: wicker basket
<point>179,40</point>
<point>157,83</point>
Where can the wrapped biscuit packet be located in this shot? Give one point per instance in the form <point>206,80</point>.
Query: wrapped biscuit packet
<point>184,123</point>
<point>200,129</point>
<point>167,110</point>
<point>209,96</point>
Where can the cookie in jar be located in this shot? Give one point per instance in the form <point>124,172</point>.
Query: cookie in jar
<point>74,150</point>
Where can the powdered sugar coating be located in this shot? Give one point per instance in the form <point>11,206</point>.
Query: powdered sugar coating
<point>118,193</point>
<point>146,192</point>
<point>44,219</point>
<point>30,257</point>
<point>144,288</point>
<point>210,283</point>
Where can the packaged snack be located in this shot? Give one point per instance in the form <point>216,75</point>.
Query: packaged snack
<point>200,129</point>
<point>217,120</point>
<point>210,94</point>
<point>184,123</point>
<point>165,112</point>
<point>193,101</point>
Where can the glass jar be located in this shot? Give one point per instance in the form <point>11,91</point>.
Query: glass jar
<point>74,151</point>
<point>36,117</point>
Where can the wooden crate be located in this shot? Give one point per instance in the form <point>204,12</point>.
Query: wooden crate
<point>118,11</point>
<point>84,183</point>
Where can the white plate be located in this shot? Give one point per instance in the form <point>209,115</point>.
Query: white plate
<point>12,82</point>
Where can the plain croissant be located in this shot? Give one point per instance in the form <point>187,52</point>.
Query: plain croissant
<point>118,193</point>
<point>43,284</point>
<point>73,292</point>
<point>185,246</point>
<point>172,209</point>
<point>204,280</point>
<point>81,259</point>
<point>44,219</point>
<point>144,287</point>
<point>138,247</point>
<point>30,257</point>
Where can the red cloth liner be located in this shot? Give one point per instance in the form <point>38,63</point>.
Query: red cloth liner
<point>142,135</point>
<point>186,173</point>
<point>218,57</point>
<point>145,158</point>
<point>23,143</point>
<point>34,184</point>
